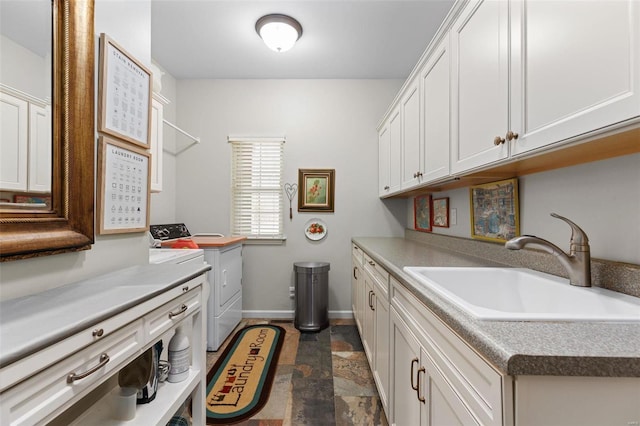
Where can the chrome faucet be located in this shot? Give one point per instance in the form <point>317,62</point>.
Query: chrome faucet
<point>577,262</point>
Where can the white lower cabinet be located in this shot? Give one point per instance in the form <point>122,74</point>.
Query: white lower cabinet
<point>370,293</point>
<point>50,389</point>
<point>421,394</point>
<point>427,375</point>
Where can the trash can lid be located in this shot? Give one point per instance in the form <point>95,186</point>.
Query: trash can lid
<point>311,267</point>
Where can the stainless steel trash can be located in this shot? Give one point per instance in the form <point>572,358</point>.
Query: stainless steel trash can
<point>312,295</point>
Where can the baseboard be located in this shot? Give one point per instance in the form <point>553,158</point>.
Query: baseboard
<point>268,314</point>
<point>291,314</point>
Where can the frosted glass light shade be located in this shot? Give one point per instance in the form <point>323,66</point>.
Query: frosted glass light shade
<point>279,32</point>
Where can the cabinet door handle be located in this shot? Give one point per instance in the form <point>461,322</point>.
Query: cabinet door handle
<point>498,140</point>
<point>104,359</point>
<point>420,397</point>
<point>98,332</point>
<point>355,268</point>
<point>370,293</point>
<point>182,310</point>
<point>419,174</point>
<point>413,361</point>
<point>386,188</point>
<point>373,305</point>
<point>511,136</point>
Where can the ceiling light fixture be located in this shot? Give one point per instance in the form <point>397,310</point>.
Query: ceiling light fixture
<point>279,32</point>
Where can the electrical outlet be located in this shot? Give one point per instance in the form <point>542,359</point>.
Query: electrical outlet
<point>292,292</point>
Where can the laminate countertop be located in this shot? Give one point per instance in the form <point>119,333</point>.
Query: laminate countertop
<point>560,348</point>
<point>30,323</point>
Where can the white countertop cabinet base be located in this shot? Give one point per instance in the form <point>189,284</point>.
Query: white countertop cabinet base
<point>38,389</point>
<point>437,378</point>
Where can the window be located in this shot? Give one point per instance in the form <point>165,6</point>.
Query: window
<point>256,188</point>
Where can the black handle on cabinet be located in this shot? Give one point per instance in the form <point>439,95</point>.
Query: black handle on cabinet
<point>355,268</point>
<point>413,361</point>
<point>420,397</point>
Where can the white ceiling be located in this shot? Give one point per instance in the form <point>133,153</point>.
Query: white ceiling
<point>198,39</point>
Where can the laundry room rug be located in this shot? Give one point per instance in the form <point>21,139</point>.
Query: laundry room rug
<point>239,383</point>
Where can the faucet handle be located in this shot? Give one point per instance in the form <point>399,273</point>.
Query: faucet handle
<point>579,239</point>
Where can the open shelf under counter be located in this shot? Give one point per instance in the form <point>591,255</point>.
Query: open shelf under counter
<point>170,397</point>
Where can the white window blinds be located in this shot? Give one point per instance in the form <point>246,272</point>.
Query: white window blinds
<point>256,188</point>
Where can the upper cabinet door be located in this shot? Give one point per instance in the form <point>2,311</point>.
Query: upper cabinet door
<point>39,149</point>
<point>480,52</point>
<point>411,167</point>
<point>157,113</point>
<point>395,151</point>
<point>383,161</point>
<point>435,78</point>
<point>575,68</point>
<point>14,139</point>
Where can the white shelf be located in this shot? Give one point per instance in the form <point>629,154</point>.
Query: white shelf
<point>169,398</point>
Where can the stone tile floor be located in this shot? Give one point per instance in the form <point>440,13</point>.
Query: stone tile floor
<point>322,379</point>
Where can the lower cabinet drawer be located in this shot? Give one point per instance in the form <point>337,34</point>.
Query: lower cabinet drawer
<point>169,314</point>
<point>56,388</point>
<point>477,384</point>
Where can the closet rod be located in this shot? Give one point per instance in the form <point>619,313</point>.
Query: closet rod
<point>197,140</point>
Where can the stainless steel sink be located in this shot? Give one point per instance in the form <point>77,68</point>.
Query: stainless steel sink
<point>514,294</point>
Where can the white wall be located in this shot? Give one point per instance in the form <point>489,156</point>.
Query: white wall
<point>601,197</point>
<point>327,124</point>
<point>129,24</point>
<point>22,69</point>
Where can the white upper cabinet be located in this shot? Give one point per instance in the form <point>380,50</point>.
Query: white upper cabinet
<point>39,149</point>
<point>157,113</point>
<point>25,142</point>
<point>14,141</point>
<point>395,151</point>
<point>411,164</point>
<point>576,68</point>
<point>507,80</point>
<point>479,47</point>
<point>383,161</point>
<point>435,77</point>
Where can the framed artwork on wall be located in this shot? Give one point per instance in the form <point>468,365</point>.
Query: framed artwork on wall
<point>124,95</point>
<point>316,190</point>
<point>422,213</point>
<point>124,183</point>
<point>441,212</point>
<point>494,210</point>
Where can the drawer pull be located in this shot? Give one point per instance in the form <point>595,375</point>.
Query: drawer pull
<point>182,310</point>
<point>420,397</point>
<point>413,361</point>
<point>98,332</point>
<point>372,263</point>
<point>104,359</point>
<point>185,289</point>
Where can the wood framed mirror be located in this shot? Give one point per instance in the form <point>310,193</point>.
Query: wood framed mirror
<point>68,224</point>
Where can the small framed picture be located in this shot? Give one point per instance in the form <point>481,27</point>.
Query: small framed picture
<point>422,213</point>
<point>124,95</point>
<point>494,210</point>
<point>441,212</point>
<point>316,190</point>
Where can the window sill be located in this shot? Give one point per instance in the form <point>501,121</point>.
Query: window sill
<point>265,241</point>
